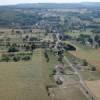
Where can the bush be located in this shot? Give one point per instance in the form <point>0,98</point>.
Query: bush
<point>26,58</point>
<point>5,58</point>
<point>27,47</point>
<point>46,56</point>
<point>13,49</point>
<point>16,59</point>
<point>60,58</point>
<point>93,69</point>
<point>59,82</point>
<point>85,63</point>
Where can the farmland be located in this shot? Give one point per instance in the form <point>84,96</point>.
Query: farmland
<point>92,78</point>
<point>50,51</point>
<point>91,55</point>
<point>28,79</point>
<point>19,80</point>
<point>76,33</point>
<point>25,80</point>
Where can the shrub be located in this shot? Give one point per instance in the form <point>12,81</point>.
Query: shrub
<point>60,58</point>
<point>27,47</point>
<point>93,69</point>
<point>26,58</point>
<point>13,49</point>
<point>5,58</point>
<point>85,63</point>
<point>47,59</point>
<point>46,56</point>
<point>16,58</point>
<point>59,82</point>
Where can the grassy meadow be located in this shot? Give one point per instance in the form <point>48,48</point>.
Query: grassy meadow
<point>25,80</point>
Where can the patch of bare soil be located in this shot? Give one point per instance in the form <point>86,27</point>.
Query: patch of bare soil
<point>94,86</point>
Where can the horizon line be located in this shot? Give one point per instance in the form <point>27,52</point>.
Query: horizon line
<point>12,4</point>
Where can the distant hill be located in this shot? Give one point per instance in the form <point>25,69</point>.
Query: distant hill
<point>58,5</point>
<point>61,5</point>
<point>35,13</point>
<point>91,4</point>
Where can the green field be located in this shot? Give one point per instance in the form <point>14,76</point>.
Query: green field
<point>91,55</point>
<point>77,33</point>
<point>26,80</point>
